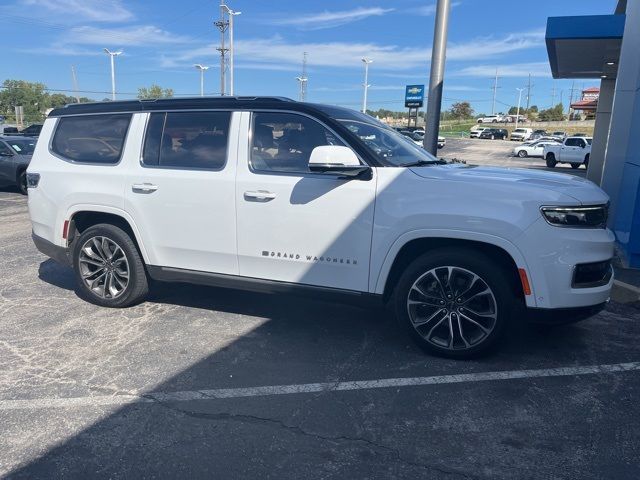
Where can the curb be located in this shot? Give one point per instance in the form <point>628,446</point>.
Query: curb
<point>624,292</point>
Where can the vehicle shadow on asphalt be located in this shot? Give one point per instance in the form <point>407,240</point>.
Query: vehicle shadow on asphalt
<point>302,340</point>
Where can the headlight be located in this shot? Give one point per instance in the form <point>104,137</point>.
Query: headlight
<point>585,217</point>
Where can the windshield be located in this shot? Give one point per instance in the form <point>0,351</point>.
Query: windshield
<point>23,147</point>
<point>388,145</point>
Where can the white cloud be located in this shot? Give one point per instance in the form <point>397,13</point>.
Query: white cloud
<point>327,19</point>
<point>135,35</point>
<point>92,10</point>
<point>277,52</point>
<point>536,69</point>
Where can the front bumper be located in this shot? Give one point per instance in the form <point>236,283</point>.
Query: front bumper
<point>563,316</point>
<point>552,254</point>
<point>56,252</point>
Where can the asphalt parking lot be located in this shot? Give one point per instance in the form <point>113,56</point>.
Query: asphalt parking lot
<point>476,151</point>
<point>204,382</point>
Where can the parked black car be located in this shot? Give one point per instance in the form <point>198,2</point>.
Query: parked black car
<point>495,133</point>
<point>15,155</point>
<point>32,130</point>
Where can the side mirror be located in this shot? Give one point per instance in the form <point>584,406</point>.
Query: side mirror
<point>338,160</point>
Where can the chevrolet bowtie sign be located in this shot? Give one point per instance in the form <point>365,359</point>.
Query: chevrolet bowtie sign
<point>414,96</point>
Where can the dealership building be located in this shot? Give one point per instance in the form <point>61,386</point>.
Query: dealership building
<point>607,47</point>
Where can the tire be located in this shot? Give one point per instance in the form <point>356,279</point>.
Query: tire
<point>428,276</point>
<point>575,166</point>
<point>22,182</point>
<point>522,153</point>
<point>586,161</point>
<point>551,160</point>
<point>115,254</point>
<point>479,121</point>
<point>494,121</point>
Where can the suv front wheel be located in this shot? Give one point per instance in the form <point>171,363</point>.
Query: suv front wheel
<point>108,268</point>
<point>454,302</point>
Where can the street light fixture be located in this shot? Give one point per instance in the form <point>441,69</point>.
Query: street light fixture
<point>113,71</point>
<point>231,14</point>
<point>366,85</point>
<point>202,69</point>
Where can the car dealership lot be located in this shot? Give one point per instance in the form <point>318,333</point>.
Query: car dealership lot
<point>175,386</point>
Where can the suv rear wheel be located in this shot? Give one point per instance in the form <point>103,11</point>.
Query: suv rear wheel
<point>22,182</point>
<point>454,302</point>
<point>108,267</point>
<point>551,160</point>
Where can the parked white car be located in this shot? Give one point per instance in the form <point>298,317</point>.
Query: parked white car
<point>521,134</point>
<point>535,148</point>
<point>573,150</point>
<point>475,131</point>
<point>274,195</point>
<point>418,139</point>
<point>492,119</point>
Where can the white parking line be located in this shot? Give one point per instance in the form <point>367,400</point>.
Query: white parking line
<point>265,391</point>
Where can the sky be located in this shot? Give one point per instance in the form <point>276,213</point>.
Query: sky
<point>163,39</point>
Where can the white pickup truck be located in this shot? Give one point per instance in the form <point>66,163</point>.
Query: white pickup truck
<point>574,150</point>
<point>492,119</point>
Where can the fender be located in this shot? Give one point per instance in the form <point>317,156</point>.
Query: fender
<point>81,207</point>
<point>377,282</point>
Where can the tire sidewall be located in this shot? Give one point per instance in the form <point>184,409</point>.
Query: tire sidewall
<point>137,273</point>
<point>470,260</point>
<point>522,154</point>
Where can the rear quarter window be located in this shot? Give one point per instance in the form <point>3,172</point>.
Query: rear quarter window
<point>95,139</point>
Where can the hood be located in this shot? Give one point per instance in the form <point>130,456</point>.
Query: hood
<point>526,182</point>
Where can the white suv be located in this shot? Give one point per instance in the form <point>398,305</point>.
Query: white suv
<point>271,194</point>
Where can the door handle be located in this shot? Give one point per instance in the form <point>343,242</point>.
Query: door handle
<point>260,195</point>
<point>144,187</point>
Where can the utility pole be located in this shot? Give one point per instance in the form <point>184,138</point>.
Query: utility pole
<point>553,96</point>
<point>222,25</point>
<point>75,82</point>
<point>495,90</point>
<point>302,79</point>
<point>202,69</point>
<point>366,85</point>
<point>436,77</point>
<point>529,93</point>
<point>573,85</point>
<point>113,71</point>
<point>519,100</point>
<point>231,14</point>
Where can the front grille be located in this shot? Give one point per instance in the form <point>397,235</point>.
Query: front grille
<point>589,275</point>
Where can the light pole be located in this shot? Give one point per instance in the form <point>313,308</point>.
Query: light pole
<point>231,49</point>
<point>303,83</point>
<point>113,71</point>
<point>202,69</point>
<point>436,78</point>
<point>520,90</point>
<point>366,85</point>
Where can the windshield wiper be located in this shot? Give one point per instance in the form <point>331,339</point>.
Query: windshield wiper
<point>420,163</point>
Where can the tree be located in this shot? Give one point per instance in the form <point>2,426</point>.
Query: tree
<point>552,114</point>
<point>32,97</point>
<point>460,110</point>
<point>154,91</point>
<point>60,100</point>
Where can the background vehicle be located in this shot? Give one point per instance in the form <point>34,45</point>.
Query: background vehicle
<point>495,133</point>
<point>573,150</point>
<point>521,134</point>
<point>8,130</point>
<point>418,138</point>
<point>476,131</point>
<point>32,130</point>
<point>492,119</point>
<point>538,134</point>
<point>312,198</point>
<point>15,155</point>
<point>534,148</point>
<point>559,134</point>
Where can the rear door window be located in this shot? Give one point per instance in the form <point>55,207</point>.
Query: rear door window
<point>195,140</point>
<point>95,139</point>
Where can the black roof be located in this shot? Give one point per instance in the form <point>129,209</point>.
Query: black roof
<point>191,103</point>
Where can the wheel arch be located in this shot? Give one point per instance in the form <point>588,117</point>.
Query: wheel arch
<point>409,247</point>
<point>83,217</point>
